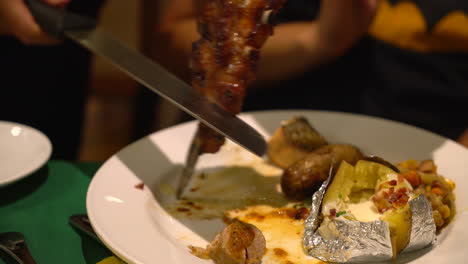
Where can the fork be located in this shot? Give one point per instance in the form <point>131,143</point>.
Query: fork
<point>14,244</point>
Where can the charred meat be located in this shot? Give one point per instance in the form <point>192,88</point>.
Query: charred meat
<point>224,59</point>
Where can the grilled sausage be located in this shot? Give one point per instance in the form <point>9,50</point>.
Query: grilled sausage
<point>305,176</point>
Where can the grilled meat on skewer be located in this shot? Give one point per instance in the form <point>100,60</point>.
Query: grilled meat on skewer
<point>224,59</point>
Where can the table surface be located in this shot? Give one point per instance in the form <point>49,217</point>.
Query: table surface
<point>39,206</point>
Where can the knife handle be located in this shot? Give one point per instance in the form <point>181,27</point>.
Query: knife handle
<point>56,21</point>
<point>23,253</point>
<point>82,223</point>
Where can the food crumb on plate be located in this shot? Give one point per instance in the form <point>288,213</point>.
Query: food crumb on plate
<point>140,186</point>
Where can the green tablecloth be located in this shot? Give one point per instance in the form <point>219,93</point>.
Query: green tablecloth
<point>39,207</point>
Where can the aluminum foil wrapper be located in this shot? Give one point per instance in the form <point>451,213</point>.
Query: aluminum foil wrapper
<point>423,228</point>
<point>348,241</point>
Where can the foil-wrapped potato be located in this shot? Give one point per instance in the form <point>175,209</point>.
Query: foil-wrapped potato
<point>359,192</point>
<point>367,214</point>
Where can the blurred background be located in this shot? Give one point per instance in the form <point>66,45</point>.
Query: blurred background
<point>120,111</point>
<point>112,105</point>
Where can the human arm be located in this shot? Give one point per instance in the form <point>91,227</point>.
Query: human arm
<point>16,20</point>
<point>294,47</point>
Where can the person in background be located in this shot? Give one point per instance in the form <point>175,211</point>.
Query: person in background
<point>44,81</point>
<point>400,60</point>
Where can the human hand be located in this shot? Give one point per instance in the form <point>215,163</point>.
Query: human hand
<point>16,20</point>
<point>341,22</point>
<point>463,139</point>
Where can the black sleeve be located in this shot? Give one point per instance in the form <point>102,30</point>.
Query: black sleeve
<point>298,10</point>
<point>89,8</point>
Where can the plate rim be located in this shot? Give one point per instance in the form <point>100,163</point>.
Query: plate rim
<point>39,162</point>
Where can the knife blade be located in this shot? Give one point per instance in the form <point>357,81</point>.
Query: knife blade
<point>82,30</point>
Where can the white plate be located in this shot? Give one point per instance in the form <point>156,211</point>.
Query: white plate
<point>134,225</point>
<point>23,150</point>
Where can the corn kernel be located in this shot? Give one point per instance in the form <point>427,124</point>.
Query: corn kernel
<point>410,164</point>
<point>428,188</point>
<point>437,191</point>
<point>445,211</point>
<point>450,183</point>
<point>439,221</point>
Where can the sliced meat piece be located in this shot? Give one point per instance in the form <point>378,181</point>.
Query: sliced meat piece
<point>292,141</point>
<point>238,243</point>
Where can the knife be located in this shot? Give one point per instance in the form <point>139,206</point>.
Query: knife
<point>82,30</point>
<point>82,223</point>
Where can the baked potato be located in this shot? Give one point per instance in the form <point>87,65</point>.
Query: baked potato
<point>370,191</point>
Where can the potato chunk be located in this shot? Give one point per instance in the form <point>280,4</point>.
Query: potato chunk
<point>293,140</point>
